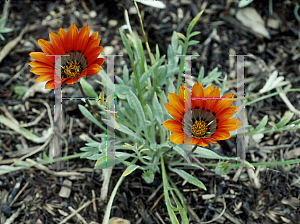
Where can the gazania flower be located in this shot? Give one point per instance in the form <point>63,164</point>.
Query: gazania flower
<point>82,60</point>
<point>208,119</point>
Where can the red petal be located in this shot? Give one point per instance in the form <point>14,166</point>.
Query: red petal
<point>83,38</point>
<point>57,44</point>
<point>94,55</point>
<point>197,91</point>
<point>72,36</point>
<point>93,69</point>
<point>62,36</point>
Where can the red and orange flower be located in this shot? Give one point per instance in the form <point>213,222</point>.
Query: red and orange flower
<point>82,60</point>
<point>204,120</point>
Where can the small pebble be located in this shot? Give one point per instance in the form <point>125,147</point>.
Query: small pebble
<point>112,22</point>
<point>93,14</point>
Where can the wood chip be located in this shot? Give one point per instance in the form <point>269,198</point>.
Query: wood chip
<point>65,191</point>
<point>116,220</point>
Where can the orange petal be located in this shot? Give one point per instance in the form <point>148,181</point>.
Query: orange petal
<point>39,56</point>
<point>173,112</point>
<point>221,135</point>
<point>172,125</point>
<point>176,102</point>
<point>210,102</point>
<point>46,47</point>
<point>42,70</point>
<point>191,141</point>
<point>72,36</point>
<point>34,64</point>
<point>210,140</point>
<point>94,55</point>
<point>226,113</point>
<point>203,142</point>
<point>62,36</point>
<point>177,137</point>
<point>222,104</point>
<point>57,44</point>
<point>185,96</point>
<point>93,69</point>
<point>229,125</point>
<point>83,38</point>
<point>49,85</point>
<point>197,91</point>
<point>43,78</point>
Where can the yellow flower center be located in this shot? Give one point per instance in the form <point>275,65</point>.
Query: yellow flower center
<point>199,128</point>
<point>72,70</point>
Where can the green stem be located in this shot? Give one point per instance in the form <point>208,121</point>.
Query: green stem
<point>96,115</point>
<point>182,62</point>
<point>143,32</point>
<point>111,200</point>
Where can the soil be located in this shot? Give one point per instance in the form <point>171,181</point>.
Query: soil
<point>271,196</point>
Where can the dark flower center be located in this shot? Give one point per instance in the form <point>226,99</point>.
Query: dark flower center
<point>199,123</point>
<point>73,64</point>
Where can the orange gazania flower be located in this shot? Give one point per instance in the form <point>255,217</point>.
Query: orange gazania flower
<point>207,120</point>
<point>82,60</point>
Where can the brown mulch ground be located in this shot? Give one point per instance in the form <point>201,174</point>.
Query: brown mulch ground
<point>273,198</point>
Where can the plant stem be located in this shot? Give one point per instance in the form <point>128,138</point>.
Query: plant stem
<point>143,32</point>
<point>200,164</point>
<point>111,199</point>
<point>96,115</point>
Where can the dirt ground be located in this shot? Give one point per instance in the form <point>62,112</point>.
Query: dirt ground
<point>269,195</point>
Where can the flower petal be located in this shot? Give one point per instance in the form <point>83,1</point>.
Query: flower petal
<point>63,36</point>
<point>185,96</point>
<point>57,44</point>
<point>42,70</point>
<point>222,104</point>
<point>172,125</point>
<point>83,38</point>
<point>173,112</point>
<point>176,102</point>
<point>202,142</point>
<point>49,85</point>
<point>221,135</point>
<point>226,113</point>
<point>99,61</point>
<point>72,36</point>
<point>210,102</point>
<point>94,55</point>
<point>229,125</point>
<point>46,47</point>
<point>40,56</point>
<point>197,91</point>
<point>177,137</point>
<point>46,77</point>
<point>34,64</point>
<point>93,69</point>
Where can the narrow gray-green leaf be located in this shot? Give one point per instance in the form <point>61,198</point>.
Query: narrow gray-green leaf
<point>262,123</point>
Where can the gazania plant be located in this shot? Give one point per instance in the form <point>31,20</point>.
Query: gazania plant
<point>151,118</point>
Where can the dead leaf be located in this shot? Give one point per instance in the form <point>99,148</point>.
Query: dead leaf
<point>251,19</point>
